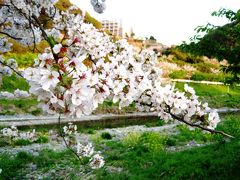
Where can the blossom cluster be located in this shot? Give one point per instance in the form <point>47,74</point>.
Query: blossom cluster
<point>15,95</point>
<point>10,132</point>
<point>76,77</point>
<point>96,160</point>
<point>184,106</point>
<point>83,150</point>
<point>83,66</point>
<point>17,17</point>
<point>70,129</point>
<point>14,134</point>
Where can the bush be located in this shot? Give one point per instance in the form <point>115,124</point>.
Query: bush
<point>22,142</point>
<point>171,142</point>
<point>22,155</point>
<point>152,141</point>
<point>186,57</point>
<point>179,55</point>
<point>204,67</point>
<point>106,135</point>
<point>3,142</point>
<point>36,112</point>
<point>178,74</point>
<point>42,139</point>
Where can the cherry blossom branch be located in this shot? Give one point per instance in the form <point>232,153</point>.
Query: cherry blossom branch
<point>198,126</point>
<point>63,137</point>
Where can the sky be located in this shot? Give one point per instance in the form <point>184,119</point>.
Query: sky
<point>169,21</point>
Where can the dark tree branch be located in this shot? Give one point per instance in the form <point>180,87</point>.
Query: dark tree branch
<point>15,38</point>
<point>34,37</point>
<point>197,125</point>
<point>1,5</point>
<point>3,63</point>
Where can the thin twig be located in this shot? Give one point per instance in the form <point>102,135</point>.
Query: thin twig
<point>64,140</point>
<point>12,69</point>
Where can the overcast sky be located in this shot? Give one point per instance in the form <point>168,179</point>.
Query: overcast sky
<point>169,21</point>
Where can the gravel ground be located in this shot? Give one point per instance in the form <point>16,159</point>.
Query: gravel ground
<point>56,144</point>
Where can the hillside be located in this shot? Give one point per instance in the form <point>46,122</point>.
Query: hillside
<point>18,48</point>
<point>179,65</point>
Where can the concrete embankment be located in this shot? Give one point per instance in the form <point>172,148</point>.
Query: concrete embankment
<point>102,120</point>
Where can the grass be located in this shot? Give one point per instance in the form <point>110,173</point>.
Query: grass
<point>16,167</point>
<point>9,142</point>
<point>11,83</point>
<point>220,77</point>
<point>110,107</point>
<point>140,156</point>
<point>24,60</point>
<point>216,95</point>
<point>19,106</point>
<point>215,161</point>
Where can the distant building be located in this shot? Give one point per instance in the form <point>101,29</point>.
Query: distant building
<point>114,27</point>
<point>150,44</point>
<point>154,45</point>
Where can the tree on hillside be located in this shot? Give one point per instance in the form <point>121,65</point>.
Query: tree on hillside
<point>221,42</point>
<point>152,38</point>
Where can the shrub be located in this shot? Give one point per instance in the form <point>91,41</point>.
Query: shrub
<point>3,142</point>
<point>22,155</point>
<point>36,112</point>
<point>204,67</point>
<point>22,142</point>
<point>171,142</point>
<point>180,55</point>
<point>106,135</point>
<point>42,139</point>
<point>132,139</point>
<point>178,74</point>
<point>152,141</point>
<point>185,134</point>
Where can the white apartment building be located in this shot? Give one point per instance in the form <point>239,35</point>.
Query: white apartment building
<point>113,26</point>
